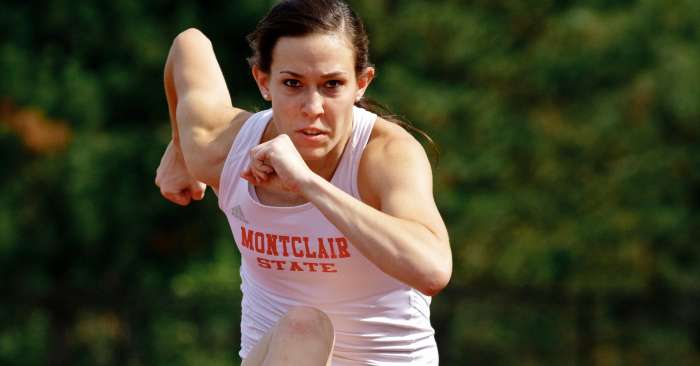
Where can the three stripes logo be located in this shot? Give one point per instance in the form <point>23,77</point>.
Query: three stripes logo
<point>237,212</point>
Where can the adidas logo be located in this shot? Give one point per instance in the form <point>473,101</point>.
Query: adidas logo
<point>237,212</point>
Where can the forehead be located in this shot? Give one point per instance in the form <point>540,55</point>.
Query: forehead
<point>313,53</point>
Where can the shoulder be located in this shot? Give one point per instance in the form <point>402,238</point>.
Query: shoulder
<point>389,141</point>
<point>392,157</point>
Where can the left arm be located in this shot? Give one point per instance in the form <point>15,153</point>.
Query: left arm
<point>405,235</point>
<point>400,231</point>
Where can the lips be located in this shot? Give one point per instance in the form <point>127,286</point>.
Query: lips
<point>311,131</point>
<point>311,136</point>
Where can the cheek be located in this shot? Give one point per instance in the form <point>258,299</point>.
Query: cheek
<point>340,103</point>
<point>285,104</point>
<point>341,127</point>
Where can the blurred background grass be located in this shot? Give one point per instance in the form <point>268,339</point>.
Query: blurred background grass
<point>569,177</point>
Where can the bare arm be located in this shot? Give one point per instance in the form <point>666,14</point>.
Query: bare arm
<point>405,235</point>
<point>396,225</point>
<point>203,119</point>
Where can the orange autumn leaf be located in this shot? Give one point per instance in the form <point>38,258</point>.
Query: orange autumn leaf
<point>37,132</point>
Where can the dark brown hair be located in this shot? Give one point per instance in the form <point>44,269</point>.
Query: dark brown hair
<point>295,18</point>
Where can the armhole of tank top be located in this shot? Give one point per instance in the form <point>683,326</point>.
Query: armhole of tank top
<point>362,144</point>
<point>226,181</point>
<point>420,303</point>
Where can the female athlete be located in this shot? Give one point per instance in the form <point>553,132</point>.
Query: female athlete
<point>330,205</point>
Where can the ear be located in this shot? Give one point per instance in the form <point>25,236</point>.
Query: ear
<point>263,80</point>
<point>363,82</point>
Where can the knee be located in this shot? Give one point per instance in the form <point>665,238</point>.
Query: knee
<point>307,322</point>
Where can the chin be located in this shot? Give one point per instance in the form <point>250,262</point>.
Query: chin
<point>316,153</point>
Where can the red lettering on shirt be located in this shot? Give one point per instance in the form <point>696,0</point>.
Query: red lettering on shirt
<point>279,264</point>
<point>285,240</point>
<point>264,263</point>
<point>246,238</point>
<point>297,253</point>
<point>330,245</point>
<point>294,246</point>
<point>342,247</point>
<point>321,249</point>
<point>259,242</point>
<point>309,253</point>
<point>271,244</point>
<point>296,267</point>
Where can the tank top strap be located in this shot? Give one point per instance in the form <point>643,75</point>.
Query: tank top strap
<point>248,136</point>
<point>251,132</point>
<point>346,174</point>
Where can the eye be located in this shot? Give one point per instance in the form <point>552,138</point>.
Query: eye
<point>292,83</point>
<point>333,84</point>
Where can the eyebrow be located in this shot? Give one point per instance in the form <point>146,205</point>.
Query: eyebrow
<point>328,75</point>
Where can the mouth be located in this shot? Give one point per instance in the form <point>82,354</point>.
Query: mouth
<point>310,131</point>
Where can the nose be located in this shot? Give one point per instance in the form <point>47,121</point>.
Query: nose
<point>313,104</point>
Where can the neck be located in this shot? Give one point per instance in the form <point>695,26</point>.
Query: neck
<point>326,166</point>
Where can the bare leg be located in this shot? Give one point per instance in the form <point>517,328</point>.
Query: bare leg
<point>303,336</point>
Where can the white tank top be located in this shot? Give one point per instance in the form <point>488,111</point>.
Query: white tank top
<point>293,256</point>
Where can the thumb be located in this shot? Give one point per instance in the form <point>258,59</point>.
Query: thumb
<point>198,189</point>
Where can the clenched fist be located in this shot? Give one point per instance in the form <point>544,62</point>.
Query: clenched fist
<point>175,182</point>
<point>276,164</point>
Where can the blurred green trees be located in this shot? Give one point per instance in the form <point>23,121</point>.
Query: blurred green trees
<point>569,178</point>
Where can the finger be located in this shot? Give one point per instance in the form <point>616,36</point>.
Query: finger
<point>259,156</point>
<point>247,175</point>
<point>257,164</point>
<point>267,169</point>
<point>185,197</point>
<point>259,175</point>
<point>197,194</point>
<point>198,189</point>
<point>180,198</point>
<point>256,154</point>
<point>256,173</point>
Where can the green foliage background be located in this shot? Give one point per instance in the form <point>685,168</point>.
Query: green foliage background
<point>569,177</point>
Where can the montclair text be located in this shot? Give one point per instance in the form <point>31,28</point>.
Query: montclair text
<point>292,247</point>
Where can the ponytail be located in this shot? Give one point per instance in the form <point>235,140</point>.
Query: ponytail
<point>384,112</point>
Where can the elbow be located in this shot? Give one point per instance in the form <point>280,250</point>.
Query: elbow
<point>200,170</point>
<point>438,273</point>
<point>437,280</point>
<point>200,159</point>
<point>190,36</point>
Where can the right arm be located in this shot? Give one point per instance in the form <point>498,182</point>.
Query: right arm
<point>204,121</point>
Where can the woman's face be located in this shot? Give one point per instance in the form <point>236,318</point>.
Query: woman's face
<point>312,86</point>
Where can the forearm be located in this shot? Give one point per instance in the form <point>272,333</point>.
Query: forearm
<point>199,105</point>
<point>403,249</point>
<point>171,96</point>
